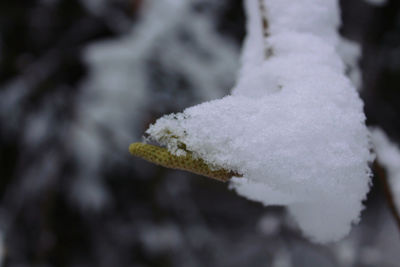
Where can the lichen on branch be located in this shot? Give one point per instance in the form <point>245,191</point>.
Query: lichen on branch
<point>161,156</point>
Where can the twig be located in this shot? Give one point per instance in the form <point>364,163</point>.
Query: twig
<point>264,20</point>
<point>381,174</point>
<point>265,27</point>
<point>161,156</point>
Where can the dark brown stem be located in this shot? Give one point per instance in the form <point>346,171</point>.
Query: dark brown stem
<point>263,14</point>
<point>382,176</point>
<point>265,27</point>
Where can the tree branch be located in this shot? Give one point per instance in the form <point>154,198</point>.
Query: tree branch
<point>161,156</point>
<point>381,175</point>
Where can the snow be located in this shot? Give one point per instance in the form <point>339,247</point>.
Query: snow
<point>345,252</point>
<point>157,239</point>
<point>269,225</point>
<point>388,156</point>
<point>293,125</point>
<point>376,2</point>
<point>95,6</point>
<point>282,259</point>
<point>350,52</point>
<point>123,86</point>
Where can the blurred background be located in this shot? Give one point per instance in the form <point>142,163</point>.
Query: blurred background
<point>82,79</point>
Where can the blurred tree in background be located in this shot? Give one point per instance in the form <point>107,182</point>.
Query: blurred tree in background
<point>81,79</point>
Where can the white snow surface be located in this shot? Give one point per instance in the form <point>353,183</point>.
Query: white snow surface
<point>293,125</point>
<point>388,155</point>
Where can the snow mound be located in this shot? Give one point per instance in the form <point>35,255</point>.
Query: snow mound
<point>293,125</point>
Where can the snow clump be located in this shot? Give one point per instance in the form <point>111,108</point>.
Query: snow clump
<point>293,125</point>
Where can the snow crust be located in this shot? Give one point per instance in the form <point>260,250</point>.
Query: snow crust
<point>293,125</point>
<point>388,155</point>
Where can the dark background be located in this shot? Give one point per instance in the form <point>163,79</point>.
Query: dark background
<point>70,194</point>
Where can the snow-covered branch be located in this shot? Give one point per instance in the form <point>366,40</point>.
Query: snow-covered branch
<point>293,124</point>
<point>388,158</point>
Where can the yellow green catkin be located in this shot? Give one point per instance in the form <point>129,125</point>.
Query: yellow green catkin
<point>161,156</point>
